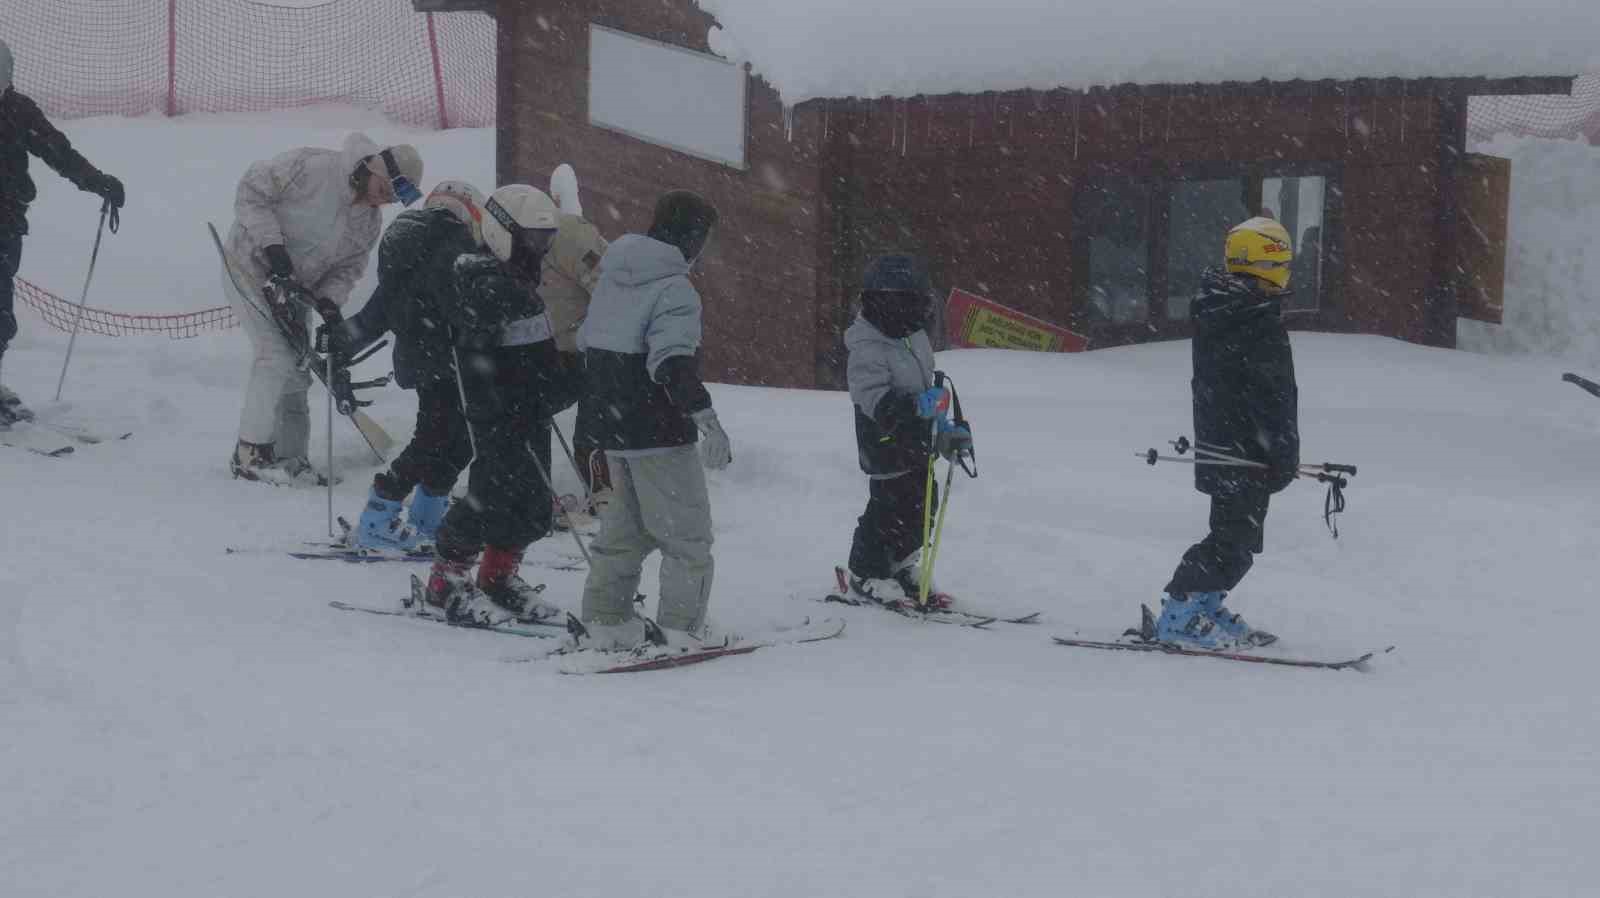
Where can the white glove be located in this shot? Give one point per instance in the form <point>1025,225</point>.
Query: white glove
<point>715,451</point>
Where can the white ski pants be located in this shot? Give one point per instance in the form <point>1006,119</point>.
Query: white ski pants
<point>658,502</point>
<point>275,407</point>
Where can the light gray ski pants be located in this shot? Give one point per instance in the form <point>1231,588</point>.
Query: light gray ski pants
<point>658,502</point>
<point>275,406</point>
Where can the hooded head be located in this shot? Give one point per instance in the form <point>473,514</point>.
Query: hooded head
<point>895,295</point>
<point>400,165</point>
<point>5,67</point>
<point>564,190</point>
<point>684,219</point>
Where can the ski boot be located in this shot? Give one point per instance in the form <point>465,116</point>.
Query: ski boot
<point>11,408</point>
<point>380,527</point>
<point>499,583</point>
<point>257,462</point>
<point>1228,622</point>
<point>449,583</point>
<point>426,514</point>
<point>628,635</point>
<point>1184,621</point>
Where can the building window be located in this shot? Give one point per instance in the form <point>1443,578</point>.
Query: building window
<point>1298,203</point>
<point>1115,215</point>
<point>690,102</point>
<point>1138,237</point>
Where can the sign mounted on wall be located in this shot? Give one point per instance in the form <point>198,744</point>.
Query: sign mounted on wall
<point>974,321</point>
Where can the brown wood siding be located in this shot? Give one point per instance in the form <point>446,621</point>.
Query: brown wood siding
<point>758,278</point>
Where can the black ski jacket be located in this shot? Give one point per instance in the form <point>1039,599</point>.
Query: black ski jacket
<point>416,287</point>
<point>25,130</point>
<point>490,301</point>
<point>1245,398</point>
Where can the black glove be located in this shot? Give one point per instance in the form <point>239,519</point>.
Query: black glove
<point>106,186</point>
<point>334,338</point>
<point>278,261</point>
<point>329,310</point>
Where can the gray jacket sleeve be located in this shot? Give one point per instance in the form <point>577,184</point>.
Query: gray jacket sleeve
<point>674,327</point>
<point>263,186</point>
<point>869,375</point>
<point>347,270</point>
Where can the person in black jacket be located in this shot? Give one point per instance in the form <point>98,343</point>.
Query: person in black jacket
<point>513,383</point>
<point>416,286</point>
<point>1245,407</point>
<point>23,131</point>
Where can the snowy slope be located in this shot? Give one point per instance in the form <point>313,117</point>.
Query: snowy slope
<point>182,722</point>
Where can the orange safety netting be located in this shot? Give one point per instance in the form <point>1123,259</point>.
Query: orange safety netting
<point>80,58</point>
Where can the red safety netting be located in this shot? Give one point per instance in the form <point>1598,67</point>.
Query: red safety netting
<point>1573,116</point>
<point>80,58</point>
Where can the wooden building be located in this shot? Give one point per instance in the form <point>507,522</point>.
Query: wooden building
<point>1092,209</point>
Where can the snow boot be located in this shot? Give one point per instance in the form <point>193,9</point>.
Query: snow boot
<point>1231,624</point>
<point>427,513</point>
<point>1184,621</point>
<point>498,581</point>
<point>380,527</point>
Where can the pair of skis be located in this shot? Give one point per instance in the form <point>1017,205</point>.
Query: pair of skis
<point>941,612</point>
<point>51,440</point>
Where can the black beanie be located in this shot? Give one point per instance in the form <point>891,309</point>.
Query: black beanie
<point>684,219</point>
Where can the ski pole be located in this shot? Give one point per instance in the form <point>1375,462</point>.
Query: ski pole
<point>571,527</point>
<point>588,497</point>
<point>329,363</point>
<point>77,318</point>
<point>461,391</point>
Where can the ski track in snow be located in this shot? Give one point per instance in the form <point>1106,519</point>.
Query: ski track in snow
<point>181,722</point>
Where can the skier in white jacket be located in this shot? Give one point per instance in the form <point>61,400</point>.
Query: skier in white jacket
<point>305,222</point>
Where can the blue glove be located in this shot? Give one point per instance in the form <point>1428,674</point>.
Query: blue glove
<point>933,402</point>
<point>952,440</point>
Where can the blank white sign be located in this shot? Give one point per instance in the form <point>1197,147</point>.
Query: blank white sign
<point>688,101</point>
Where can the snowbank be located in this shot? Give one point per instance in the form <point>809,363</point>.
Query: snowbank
<point>1552,299</point>
<point>838,48</point>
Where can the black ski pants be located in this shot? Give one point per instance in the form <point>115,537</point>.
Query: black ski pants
<point>10,261</point>
<point>890,530</point>
<point>439,449</point>
<point>507,504</point>
<point>1218,562</point>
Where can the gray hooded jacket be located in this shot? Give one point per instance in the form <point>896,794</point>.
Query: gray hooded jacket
<point>303,200</point>
<point>885,376</point>
<point>639,342</point>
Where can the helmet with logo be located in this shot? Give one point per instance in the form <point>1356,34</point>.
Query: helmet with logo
<point>513,214</point>
<point>461,200</point>
<point>1260,247</point>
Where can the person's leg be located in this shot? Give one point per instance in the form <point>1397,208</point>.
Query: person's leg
<point>617,552</point>
<point>675,507</point>
<point>11,407</point>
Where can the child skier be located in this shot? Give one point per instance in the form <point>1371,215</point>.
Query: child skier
<point>897,407</point>
<point>1244,406</point>
<point>640,340</point>
<point>513,384</point>
<point>416,289</point>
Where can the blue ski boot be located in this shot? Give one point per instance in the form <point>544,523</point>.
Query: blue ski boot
<point>427,513</point>
<point>1184,621</point>
<point>380,526</point>
<point>1230,623</point>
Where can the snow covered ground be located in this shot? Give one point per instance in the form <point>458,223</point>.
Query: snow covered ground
<point>183,722</point>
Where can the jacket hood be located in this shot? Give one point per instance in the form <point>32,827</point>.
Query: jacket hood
<point>357,146</point>
<point>1225,297</point>
<point>635,260</point>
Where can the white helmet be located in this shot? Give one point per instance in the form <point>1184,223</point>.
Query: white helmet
<point>461,200</point>
<point>564,188</point>
<point>5,66</point>
<point>512,209</point>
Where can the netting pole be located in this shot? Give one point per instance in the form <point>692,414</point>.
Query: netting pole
<point>438,73</point>
<point>172,58</point>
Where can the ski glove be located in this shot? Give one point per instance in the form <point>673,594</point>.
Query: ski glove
<point>106,186</point>
<point>329,310</point>
<point>933,402</point>
<point>278,261</point>
<point>335,339</point>
<point>715,451</point>
<point>952,440</point>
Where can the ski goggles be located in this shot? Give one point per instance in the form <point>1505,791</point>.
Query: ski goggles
<point>404,191</point>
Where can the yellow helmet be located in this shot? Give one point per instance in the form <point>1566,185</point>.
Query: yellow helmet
<point>1260,247</point>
